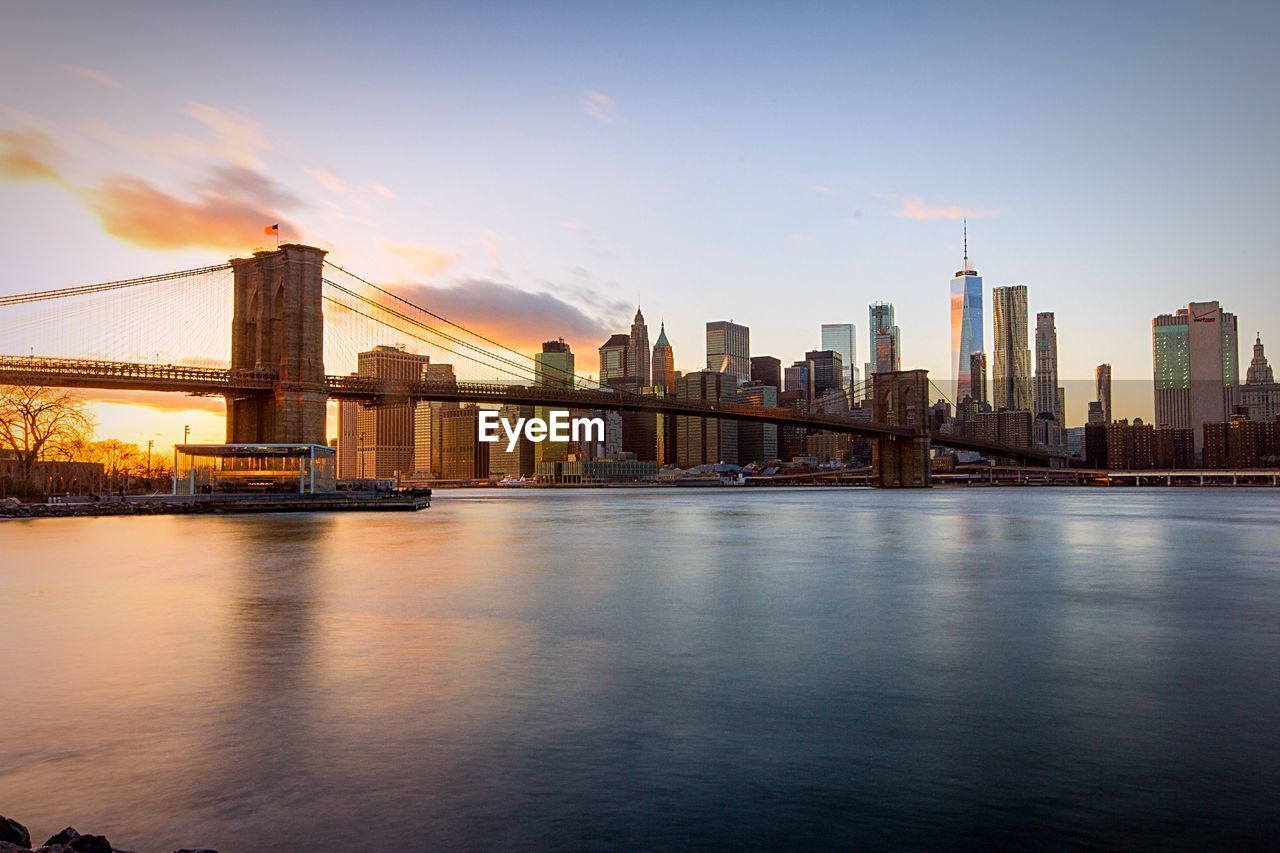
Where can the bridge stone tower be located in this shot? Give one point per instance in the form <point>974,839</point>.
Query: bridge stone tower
<point>278,324</point>
<point>901,398</point>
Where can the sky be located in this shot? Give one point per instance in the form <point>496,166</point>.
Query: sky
<point>779,165</point>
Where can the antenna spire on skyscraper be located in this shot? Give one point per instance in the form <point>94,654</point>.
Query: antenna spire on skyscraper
<point>966,242</point>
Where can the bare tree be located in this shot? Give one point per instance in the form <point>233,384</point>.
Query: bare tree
<point>38,423</point>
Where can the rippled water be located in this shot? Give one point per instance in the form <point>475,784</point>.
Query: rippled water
<point>654,668</point>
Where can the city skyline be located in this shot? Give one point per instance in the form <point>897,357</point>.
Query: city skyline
<point>608,198</point>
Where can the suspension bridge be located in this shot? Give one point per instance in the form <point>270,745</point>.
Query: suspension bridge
<point>278,334</point>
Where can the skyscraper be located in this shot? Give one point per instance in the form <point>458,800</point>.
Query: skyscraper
<point>767,369</point>
<point>614,358</point>
<point>705,441</point>
<point>1195,359</point>
<point>978,377</point>
<point>1011,382</point>
<point>842,338</point>
<point>385,432</point>
<point>886,339</point>
<point>826,372</point>
<point>757,442</point>
<point>638,365</point>
<point>664,361</point>
<point>729,350</point>
<point>553,367</point>
<point>1045,396</point>
<point>1102,382</point>
<point>966,323</point>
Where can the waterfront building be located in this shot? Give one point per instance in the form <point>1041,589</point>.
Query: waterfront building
<point>767,369</point>
<point>553,367</point>
<point>613,358</point>
<point>705,441</point>
<point>828,447</point>
<point>966,325</point>
<point>1011,385</point>
<point>519,461</point>
<point>1096,415</point>
<point>1175,448</point>
<point>638,356</point>
<point>348,440</point>
<point>1102,385</point>
<point>842,338</point>
<point>757,442</point>
<point>384,433</point>
<point>791,439</point>
<point>663,366</point>
<point>1237,443</point>
<point>729,350</point>
<point>826,373</point>
<point>1195,361</point>
<point>1014,428</point>
<point>1260,394</point>
<point>466,457</point>
<point>428,436</point>
<point>886,339</point>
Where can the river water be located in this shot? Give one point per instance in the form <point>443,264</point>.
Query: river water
<point>606,669</point>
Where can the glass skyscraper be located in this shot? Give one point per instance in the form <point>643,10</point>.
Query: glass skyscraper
<point>729,350</point>
<point>842,338</point>
<point>966,327</point>
<point>886,340</point>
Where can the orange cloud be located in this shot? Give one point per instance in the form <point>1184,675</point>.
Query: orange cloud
<point>24,156</point>
<point>132,210</point>
<point>913,207</point>
<point>518,318</point>
<point>423,260</point>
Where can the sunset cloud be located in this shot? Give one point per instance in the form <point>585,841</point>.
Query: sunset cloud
<point>422,260</point>
<point>96,76</point>
<point>24,156</point>
<point>913,207</point>
<point>518,318</point>
<point>599,106</point>
<point>132,210</point>
<point>385,192</point>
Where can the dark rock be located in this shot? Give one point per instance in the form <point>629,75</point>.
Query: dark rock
<point>14,833</point>
<point>6,847</point>
<point>90,844</point>
<point>66,836</point>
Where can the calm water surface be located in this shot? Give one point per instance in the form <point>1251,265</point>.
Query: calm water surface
<point>656,669</point>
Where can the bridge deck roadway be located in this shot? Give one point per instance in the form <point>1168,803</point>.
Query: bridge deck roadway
<point>203,381</point>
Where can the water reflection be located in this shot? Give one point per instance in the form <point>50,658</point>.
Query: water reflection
<point>653,669</point>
